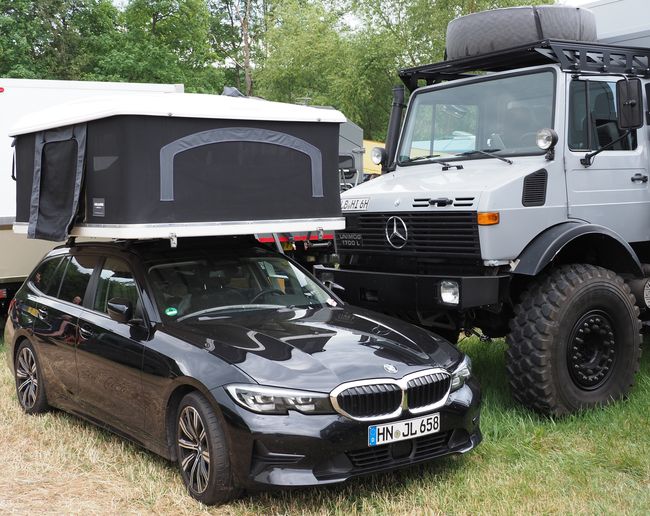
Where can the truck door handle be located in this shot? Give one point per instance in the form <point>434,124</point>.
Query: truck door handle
<point>639,178</point>
<point>86,332</point>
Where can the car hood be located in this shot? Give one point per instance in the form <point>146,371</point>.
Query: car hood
<point>317,348</point>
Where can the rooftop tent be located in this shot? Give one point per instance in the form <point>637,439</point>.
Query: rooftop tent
<point>176,164</point>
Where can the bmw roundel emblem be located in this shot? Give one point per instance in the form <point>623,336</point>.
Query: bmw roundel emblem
<point>390,368</point>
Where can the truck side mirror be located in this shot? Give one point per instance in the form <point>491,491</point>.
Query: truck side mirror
<point>630,104</point>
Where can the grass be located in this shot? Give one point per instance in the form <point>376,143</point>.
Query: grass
<point>594,463</point>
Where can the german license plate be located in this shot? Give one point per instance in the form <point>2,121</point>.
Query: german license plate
<point>402,430</point>
<point>354,204</point>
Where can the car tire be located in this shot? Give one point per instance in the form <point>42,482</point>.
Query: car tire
<point>202,451</point>
<point>575,341</point>
<point>30,386</point>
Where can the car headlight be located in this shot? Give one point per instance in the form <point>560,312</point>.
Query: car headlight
<point>461,373</point>
<point>275,400</point>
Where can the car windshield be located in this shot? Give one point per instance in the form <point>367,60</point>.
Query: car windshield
<point>190,288</point>
<point>500,116</point>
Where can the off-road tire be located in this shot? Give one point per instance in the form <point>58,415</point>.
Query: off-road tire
<point>220,487</point>
<point>546,322</point>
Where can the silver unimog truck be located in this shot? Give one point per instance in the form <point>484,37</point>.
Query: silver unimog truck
<point>516,200</point>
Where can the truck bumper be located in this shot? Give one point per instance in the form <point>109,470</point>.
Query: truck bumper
<point>390,291</point>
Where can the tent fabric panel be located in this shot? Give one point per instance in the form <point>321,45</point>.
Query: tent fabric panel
<point>236,134</point>
<point>226,181</point>
<point>58,167</point>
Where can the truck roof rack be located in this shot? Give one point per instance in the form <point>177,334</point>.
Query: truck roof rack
<point>573,56</point>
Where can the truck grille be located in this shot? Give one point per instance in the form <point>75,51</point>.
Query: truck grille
<point>451,234</point>
<point>367,400</point>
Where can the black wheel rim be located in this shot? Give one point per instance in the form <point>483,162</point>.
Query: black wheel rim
<point>193,449</point>
<point>26,378</point>
<point>592,350</point>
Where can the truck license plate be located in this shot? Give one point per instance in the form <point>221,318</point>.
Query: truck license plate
<point>354,204</point>
<point>402,430</point>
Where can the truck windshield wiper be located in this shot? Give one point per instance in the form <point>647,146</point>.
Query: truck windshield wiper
<point>487,152</point>
<point>421,158</point>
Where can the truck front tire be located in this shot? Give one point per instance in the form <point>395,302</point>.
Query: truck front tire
<point>575,341</point>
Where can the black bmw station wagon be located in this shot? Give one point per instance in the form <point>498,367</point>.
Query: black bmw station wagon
<point>235,362</point>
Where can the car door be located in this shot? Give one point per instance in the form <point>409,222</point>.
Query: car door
<point>613,191</point>
<point>110,353</point>
<point>61,291</point>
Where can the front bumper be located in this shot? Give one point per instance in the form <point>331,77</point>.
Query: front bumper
<point>385,291</point>
<point>306,450</point>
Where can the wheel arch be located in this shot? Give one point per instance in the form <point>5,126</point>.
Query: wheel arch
<point>578,242</point>
<point>174,398</point>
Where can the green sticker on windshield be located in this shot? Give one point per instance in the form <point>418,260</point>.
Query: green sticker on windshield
<point>171,311</point>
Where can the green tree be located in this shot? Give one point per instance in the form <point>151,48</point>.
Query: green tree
<point>54,39</point>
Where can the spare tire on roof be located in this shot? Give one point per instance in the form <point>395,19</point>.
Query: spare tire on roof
<point>498,29</point>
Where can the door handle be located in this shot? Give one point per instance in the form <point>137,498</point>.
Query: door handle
<point>42,312</point>
<point>639,178</point>
<point>86,332</point>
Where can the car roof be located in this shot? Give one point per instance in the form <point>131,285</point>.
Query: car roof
<point>157,249</point>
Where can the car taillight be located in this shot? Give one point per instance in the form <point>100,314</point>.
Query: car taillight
<point>3,293</point>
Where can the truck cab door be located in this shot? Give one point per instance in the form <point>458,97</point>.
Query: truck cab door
<point>613,191</point>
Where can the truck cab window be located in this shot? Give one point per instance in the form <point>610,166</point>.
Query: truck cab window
<point>592,117</point>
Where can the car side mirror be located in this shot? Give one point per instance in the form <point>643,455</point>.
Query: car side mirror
<point>120,309</point>
<point>630,104</point>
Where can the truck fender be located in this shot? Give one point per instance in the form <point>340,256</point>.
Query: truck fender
<point>613,251</point>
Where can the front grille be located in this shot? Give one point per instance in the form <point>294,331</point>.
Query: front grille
<point>451,234</point>
<point>391,455</point>
<point>427,390</point>
<point>370,400</point>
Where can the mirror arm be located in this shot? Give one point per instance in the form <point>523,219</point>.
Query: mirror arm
<point>589,157</point>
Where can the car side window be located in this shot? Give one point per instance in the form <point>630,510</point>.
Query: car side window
<point>47,276</point>
<point>116,280</point>
<point>77,276</point>
<point>594,126</point>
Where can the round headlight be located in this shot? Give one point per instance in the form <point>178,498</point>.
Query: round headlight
<point>546,138</point>
<point>377,155</point>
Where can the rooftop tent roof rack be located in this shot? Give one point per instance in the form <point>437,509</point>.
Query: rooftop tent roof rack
<point>573,56</point>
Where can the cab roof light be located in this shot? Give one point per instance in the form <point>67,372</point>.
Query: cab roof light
<point>488,218</point>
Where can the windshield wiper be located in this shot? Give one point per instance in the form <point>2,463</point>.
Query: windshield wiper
<point>487,152</point>
<point>420,158</point>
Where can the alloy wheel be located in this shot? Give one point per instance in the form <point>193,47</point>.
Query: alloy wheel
<point>194,449</point>
<point>27,378</point>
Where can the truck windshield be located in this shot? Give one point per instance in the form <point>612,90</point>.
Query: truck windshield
<point>500,115</point>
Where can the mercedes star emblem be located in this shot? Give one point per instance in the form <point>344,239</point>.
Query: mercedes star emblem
<point>390,368</point>
<point>396,232</point>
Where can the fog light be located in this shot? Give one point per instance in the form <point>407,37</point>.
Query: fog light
<point>449,292</point>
